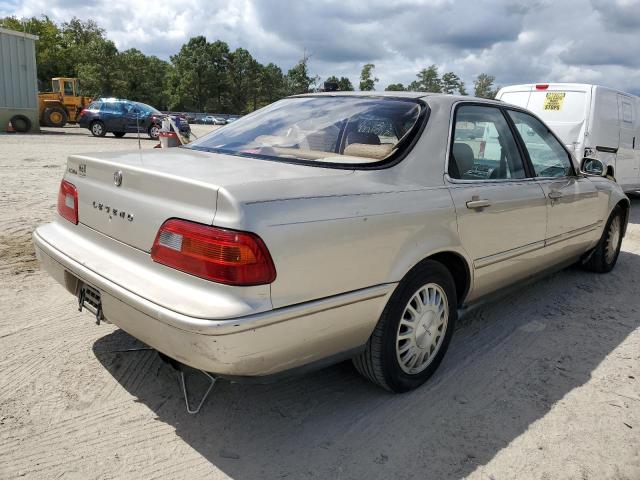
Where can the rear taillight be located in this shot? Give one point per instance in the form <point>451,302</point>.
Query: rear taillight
<point>68,201</point>
<point>217,254</point>
<point>83,111</point>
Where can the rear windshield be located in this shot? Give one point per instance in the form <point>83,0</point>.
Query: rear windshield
<point>325,129</point>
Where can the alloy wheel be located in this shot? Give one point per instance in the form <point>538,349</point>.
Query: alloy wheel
<point>422,328</point>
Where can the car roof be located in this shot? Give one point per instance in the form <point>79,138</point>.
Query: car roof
<point>429,97</point>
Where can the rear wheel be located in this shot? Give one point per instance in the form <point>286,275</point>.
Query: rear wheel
<point>97,129</point>
<point>605,255</point>
<point>154,132</point>
<point>55,117</point>
<point>118,134</point>
<point>414,330</point>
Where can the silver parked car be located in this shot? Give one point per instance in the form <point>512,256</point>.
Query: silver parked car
<point>325,227</point>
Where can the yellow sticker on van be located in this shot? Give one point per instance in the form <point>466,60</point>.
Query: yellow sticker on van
<point>554,101</point>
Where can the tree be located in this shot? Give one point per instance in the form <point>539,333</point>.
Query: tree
<point>298,77</point>
<point>450,83</point>
<point>462,89</point>
<point>243,75</point>
<point>144,78</point>
<point>367,80</point>
<point>193,72</point>
<point>344,84</point>
<point>428,80</point>
<point>483,86</point>
<point>395,87</point>
<point>100,74</point>
<point>273,83</point>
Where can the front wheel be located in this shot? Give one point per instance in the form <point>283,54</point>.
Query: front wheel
<point>97,129</point>
<point>55,117</point>
<point>605,254</point>
<point>414,330</point>
<point>118,134</point>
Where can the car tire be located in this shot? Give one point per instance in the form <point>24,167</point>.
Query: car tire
<point>154,132</point>
<point>403,333</point>
<point>119,134</point>
<point>20,123</point>
<point>605,254</point>
<point>97,129</point>
<point>55,117</point>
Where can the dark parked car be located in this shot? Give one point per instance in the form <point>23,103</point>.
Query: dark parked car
<point>124,116</point>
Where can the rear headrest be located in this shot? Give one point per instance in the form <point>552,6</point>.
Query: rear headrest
<point>365,150</point>
<point>463,156</point>
<point>363,137</point>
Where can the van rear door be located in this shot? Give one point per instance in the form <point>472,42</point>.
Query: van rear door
<point>628,158</point>
<point>565,110</point>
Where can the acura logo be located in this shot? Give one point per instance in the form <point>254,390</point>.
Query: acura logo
<point>117,178</point>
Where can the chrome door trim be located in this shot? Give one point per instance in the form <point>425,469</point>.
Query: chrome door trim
<point>502,256</point>
<point>573,233</point>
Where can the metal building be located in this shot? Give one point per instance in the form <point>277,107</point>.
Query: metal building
<point>18,80</point>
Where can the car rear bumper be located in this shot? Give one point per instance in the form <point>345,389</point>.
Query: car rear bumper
<point>259,344</point>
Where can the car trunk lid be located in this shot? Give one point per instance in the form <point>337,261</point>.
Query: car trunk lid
<point>129,195</point>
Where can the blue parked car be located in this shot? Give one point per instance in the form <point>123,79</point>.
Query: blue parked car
<point>124,116</point>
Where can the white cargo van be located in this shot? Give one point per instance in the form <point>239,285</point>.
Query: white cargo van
<point>593,121</point>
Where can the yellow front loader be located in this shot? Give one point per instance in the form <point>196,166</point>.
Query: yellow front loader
<point>63,105</point>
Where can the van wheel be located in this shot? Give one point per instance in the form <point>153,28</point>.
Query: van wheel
<point>97,129</point>
<point>55,117</point>
<point>414,330</point>
<point>605,254</point>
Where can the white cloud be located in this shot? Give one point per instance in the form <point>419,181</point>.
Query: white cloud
<point>537,40</point>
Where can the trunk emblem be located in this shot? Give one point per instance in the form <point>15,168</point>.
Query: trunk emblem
<point>117,178</point>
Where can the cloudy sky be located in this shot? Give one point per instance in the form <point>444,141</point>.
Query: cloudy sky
<point>591,41</point>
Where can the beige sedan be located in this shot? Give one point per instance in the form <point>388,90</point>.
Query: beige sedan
<point>326,227</point>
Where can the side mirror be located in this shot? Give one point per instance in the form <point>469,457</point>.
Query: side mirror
<point>592,166</point>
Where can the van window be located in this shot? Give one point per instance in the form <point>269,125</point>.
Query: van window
<point>548,156</point>
<point>483,146</point>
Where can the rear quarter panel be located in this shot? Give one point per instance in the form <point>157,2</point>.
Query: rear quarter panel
<point>328,244</point>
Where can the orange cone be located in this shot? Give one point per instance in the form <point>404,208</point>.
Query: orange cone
<point>9,128</point>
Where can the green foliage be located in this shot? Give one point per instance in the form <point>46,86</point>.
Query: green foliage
<point>483,86</point>
<point>395,87</point>
<point>451,83</point>
<point>298,79</point>
<point>428,80</point>
<point>344,84</point>
<point>367,79</point>
<point>201,76</point>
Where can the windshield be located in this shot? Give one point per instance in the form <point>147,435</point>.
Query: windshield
<point>325,129</point>
<point>146,108</point>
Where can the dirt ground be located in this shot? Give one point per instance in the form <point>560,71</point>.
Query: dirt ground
<point>543,385</point>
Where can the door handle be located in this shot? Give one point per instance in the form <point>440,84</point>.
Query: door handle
<point>554,194</point>
<point>477,203</point>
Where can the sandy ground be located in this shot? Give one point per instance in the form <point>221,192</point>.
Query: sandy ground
<point>544,384</point>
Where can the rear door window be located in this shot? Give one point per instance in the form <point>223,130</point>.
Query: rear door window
<point>483,146</point>
<point>548,156</point>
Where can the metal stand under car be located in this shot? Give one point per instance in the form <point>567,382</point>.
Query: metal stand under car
<point>179,367</point>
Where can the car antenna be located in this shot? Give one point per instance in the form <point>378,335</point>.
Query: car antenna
<point>138,127</point>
